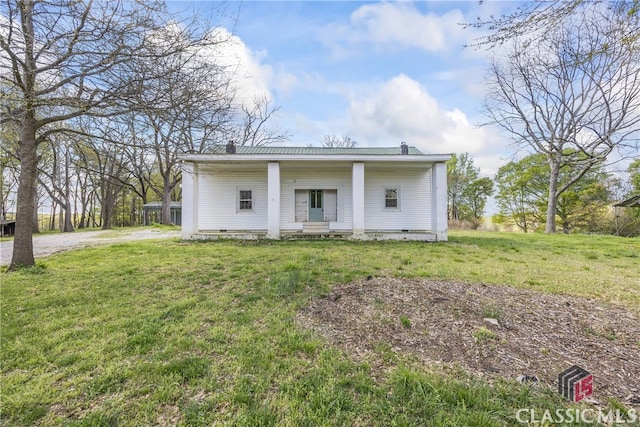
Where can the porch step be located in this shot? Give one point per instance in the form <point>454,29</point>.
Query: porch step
<point>315,227</point>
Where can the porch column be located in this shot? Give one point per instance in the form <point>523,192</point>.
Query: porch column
<point>273,200</point>
<point>189,200</point>
<point>357,183</point>
<point>439,201</point>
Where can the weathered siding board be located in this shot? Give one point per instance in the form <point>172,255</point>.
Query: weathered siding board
<point>302,205</point>
<point>414,210</point>
<point>331,205</point>
<point>218,200</point>
<point>311,178</point>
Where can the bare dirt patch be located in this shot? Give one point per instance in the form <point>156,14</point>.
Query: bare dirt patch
<point>490,331</point>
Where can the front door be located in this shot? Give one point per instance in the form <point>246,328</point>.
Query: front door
<point>316,210</point>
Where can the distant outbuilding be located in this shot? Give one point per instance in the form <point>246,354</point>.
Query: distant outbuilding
<point>7,228</point>
<point>153,213</point>
<point>631,202</point>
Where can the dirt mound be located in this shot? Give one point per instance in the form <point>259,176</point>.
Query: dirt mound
<point>490,331</point>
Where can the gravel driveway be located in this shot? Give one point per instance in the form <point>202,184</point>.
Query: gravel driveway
<point>48,244</point>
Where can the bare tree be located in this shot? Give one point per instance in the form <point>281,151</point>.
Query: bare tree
<point>56,178</point>
<point>333,141</point>
<point>63,60</point>
<point>190,109</point>
<point>105,165</point>
<point>254,130</point>
<point>139,161</point>
<point>187,110</point>
<point>573,95</point>
<point>532,18</point>
<point>82,193</point>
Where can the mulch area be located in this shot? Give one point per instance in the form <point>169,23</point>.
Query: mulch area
<point>489,331</point>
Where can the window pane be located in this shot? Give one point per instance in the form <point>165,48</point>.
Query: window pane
<point>391,198</point>
<point>315,197</point>
<point>245,199</point>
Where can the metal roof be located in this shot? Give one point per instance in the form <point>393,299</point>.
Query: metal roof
<point>158,205</point>
<point>633,201</point>
<point>382,151</point>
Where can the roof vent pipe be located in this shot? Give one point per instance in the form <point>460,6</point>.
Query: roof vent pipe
<point>231,148</point>
<point>404,148</point>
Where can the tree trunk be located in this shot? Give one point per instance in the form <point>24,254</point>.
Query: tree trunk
<point>166,207</point>
<point>22,241</point>
<point>552,204</point>
<point>133,215</point>
<point>36,217</point>
<point>68,211</point>
<point>106,211</point>
<point>84,206</point>
<point>52,216</point>
<point>68,218</point>
<point>166,201</point>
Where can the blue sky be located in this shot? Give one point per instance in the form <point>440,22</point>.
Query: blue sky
<point>378,72</point>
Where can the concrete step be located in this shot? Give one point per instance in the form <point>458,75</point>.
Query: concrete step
<point>315,227</point>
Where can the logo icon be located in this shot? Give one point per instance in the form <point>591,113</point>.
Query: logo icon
<point>575,384</point>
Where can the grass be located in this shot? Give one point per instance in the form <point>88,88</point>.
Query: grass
<point>482,335</point>
<point>203,333</point>
<point>405,321</point>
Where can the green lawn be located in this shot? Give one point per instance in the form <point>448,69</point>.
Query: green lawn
<point>202,333</point>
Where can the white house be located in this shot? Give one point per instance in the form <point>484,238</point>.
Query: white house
<point>364,193</point>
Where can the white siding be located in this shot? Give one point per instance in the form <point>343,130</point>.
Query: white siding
<point>315,178</point>
<point>414,204</point>
<point>189,199</point>
<point>218,200</point>
<point>217,197</point>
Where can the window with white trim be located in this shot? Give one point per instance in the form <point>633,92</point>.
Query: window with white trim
<point>391,198</point>
<point>245,200</point>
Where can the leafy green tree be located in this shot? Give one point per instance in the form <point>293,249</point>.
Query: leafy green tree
<point>522,196</point>
<point>572,94</point>
<point>460,173</point>
<point>630,216</point>
<point>585,204</point>
<point>474,200</point>
<point>467,194</point>
<point>634,176</point>
<point>521,188</point>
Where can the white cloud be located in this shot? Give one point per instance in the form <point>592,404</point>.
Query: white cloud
<point>306,126</point>
<point>398,24</point>
<point>402,109</point>
<point>402,23</point>
<point>251,76</point>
